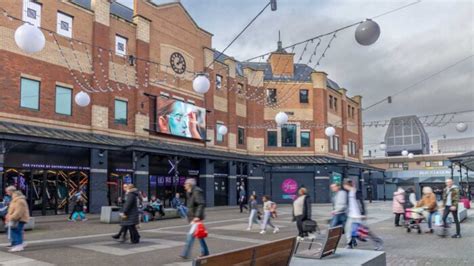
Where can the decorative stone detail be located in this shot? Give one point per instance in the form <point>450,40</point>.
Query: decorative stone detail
<point>344,150</point>
<point>232,141</point>
<point>122,73</point>
<point>255,78</point>
<point>298,113</point>
<point>208,57</point>
<point>143,28</point>
<point>321,145</point>
<point>210,137</point>
<point>220,103</point>
<point>334,119</point>
<point>142,123</point>
<point>232,69</point>
<point>100,116</point>
<point>255,144</point>
<point>319,80</point>
<point>102,11</point>
<point>49,54</point>
<point>241,110</point>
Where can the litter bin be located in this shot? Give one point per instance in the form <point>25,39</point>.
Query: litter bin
<point>110,214</point>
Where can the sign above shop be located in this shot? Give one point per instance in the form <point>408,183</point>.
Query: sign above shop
<point>54,166</point>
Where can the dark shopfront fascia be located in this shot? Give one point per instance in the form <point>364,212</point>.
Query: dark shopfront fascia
<point>284,179</point>
<point>49,176</point>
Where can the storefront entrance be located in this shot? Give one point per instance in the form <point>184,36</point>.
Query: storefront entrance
<point>49,192</point>
<point>115,184</point>
<point>221,185</point>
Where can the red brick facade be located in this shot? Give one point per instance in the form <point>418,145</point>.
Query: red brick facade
<point>154,32</point>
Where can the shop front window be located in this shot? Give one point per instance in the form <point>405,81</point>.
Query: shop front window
<point>288,136</point>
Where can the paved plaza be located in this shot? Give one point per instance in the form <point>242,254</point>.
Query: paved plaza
<point>57,242</point>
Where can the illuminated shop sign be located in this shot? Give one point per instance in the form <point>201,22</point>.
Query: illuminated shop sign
<point>289,187</point>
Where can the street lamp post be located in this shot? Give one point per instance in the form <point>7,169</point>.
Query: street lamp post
<point>384,192</point>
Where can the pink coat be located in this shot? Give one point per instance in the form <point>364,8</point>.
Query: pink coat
<point>398,201</point>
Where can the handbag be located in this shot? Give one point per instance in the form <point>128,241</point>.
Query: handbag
<point>200,231</point>
<point>309,226</point>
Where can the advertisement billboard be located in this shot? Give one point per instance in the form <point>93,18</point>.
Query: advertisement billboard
<point>181,119</point>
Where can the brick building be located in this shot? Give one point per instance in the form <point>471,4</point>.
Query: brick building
<point>133,61</point>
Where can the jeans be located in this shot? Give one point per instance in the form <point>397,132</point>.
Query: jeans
<point>267,220</point>
<point>299,226</point>
<point>242,206</point>
<point>190,241</point>
<point>338,219</point>
<point>17,234</point>
<point>455,216</point>
<point>183,211</point>
<point>78,214</point>
<point>253,218</point>
<point>348,228</point>
<point>430,219</point>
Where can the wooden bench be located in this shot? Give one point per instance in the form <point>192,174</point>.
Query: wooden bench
<point>305,248</point>
<point>277,253</point>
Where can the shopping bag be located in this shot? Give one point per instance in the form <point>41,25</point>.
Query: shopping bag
<point>362,232</point>
<point>355,227</point>
<point>437,219</point>
<point>200,231</point>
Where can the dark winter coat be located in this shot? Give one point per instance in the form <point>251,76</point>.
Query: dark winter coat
<point>130,208</point>
<point>195,204</point>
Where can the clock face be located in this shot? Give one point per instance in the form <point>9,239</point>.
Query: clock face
<point>178,63</point>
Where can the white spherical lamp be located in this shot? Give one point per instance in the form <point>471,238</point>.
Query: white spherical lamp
<point>404,153</point>
<point>82,99</point>
<point>461,127</point>
<point>281,118</point>
<point>367,32</point>
<point>411,155</point>
<point>29,38</point>
<point>330,131</point>
<point>201,84</point>
<point>222,130</point>
<point>383,146</point>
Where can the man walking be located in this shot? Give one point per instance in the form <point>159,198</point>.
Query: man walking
<point>242,199</point>
<point>196,205</point>
<point>450,203</point>
<point>339,201</point>
<point>130,214</point>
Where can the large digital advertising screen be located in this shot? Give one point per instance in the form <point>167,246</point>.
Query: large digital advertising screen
<point>181,119</point>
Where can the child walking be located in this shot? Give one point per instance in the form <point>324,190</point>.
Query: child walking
<point>253,212</point>
<point>269,212</point>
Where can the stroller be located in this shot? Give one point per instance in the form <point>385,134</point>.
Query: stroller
<point>413,218</point>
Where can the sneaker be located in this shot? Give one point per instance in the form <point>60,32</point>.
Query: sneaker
<point>85,220</point>
<point>456,236</point>
<point>378,248</point>
<point>276,230</point>
<point>248,229</point>
<point>263,232</point>
<point>16,248</point>
<point>299,238</point>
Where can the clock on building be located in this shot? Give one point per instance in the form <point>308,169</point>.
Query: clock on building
<point>178,63</point>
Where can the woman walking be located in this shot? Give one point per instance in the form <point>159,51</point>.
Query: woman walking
<point>130,213</point>
<point>269,212</point>
<point>18,215</point>
<point>253,212</point>
<point>398,205</point>
<point>301,211</point>
<point>428,202</point>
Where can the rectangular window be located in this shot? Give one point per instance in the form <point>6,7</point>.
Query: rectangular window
<point>353,112</point>
<point>32,12</point>
<point>30,93</point>
<point>64,25</point>
<point>335,103</point>
<point>271,96</point>
<point>405,166</point>
<point>218,82</point>
<point>219,137</point>
<point>304,97</point>
<point>121,112</point>
<point>63,101</point>
<point>272,138</point>
<point>288,136</point>
<point>305,138</point>
<point>334,143</point>
<point>120,45</point>
<point>352,148</point>
<point>349,113</point>
<point>241,136</point>
<point>330,102</point>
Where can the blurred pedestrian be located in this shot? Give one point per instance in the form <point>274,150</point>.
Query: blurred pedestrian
<point>450,203</point>
<point>339,202</point>
<point>302,211</point>
<point>398,205</point>
<point>242,199</point>
<point>269,213</point>
<point>356,215</point>
<point>78,211</point>
<point>179,206</point>
<point>428,202</point>
<point>196,206</point>
<point>253,217</point>
<point>18,215</point>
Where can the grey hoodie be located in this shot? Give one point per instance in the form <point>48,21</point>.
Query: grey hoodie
<point>340,202</point>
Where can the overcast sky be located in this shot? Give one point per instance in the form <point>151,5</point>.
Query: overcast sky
<point>415,42</point>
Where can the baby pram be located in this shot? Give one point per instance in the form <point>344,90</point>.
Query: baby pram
<point>413,219</point>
